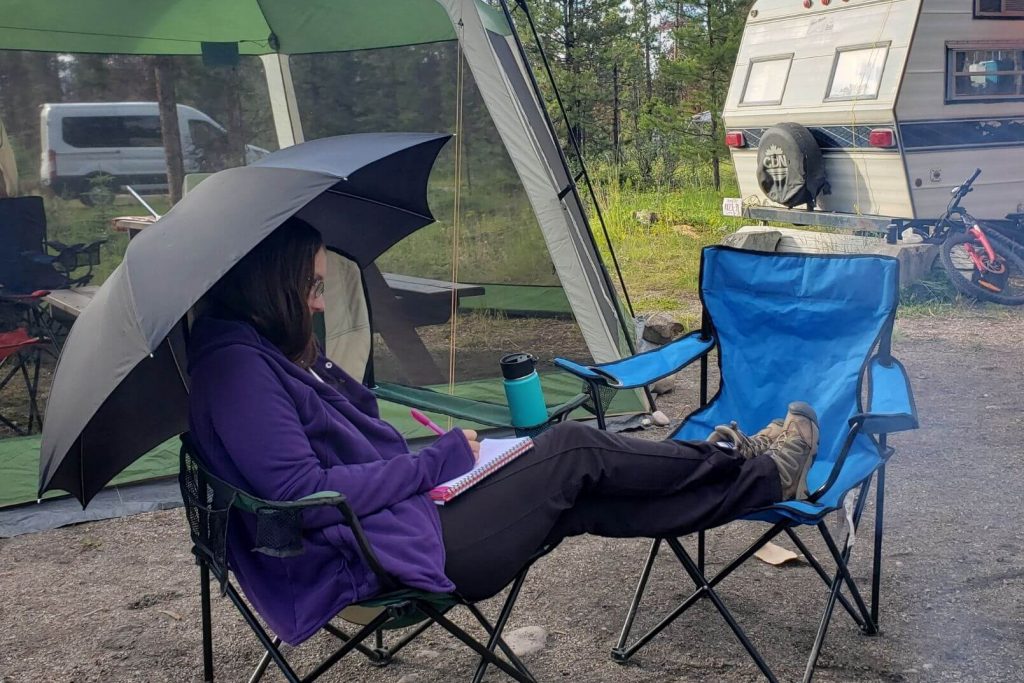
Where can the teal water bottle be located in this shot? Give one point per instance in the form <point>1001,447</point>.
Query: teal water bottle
<point>523,390</point>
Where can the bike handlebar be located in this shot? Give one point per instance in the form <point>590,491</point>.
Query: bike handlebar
<point>961,192</point>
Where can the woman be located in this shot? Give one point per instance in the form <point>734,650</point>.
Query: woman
<point>273,416</point>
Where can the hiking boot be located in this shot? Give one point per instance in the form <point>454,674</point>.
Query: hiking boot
<point>794,449</point>
<point>747,446</point>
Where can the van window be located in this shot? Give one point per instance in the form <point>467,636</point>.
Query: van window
<point>999,9</point>
<point>857,72</point>
<point>112,131</point>
<point>984,73</point>
<point>766,80</point>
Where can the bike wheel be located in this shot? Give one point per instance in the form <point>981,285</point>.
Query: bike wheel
<point>964,276</point>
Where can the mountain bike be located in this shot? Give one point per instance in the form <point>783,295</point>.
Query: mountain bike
<point>981,259</point>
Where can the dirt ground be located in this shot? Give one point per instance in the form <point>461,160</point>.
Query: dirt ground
<point>118,600</point>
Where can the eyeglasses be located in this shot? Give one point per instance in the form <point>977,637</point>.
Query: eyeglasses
<point>318,287</point>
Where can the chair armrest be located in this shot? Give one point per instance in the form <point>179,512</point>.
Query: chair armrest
<point>278,523</point>
<point>647,367</point>
<point>581,371</point>
<point>321,499</point>
<point>561,411</point>
<point>890,405</point>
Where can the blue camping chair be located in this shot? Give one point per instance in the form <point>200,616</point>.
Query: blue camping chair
<point>787,327</point>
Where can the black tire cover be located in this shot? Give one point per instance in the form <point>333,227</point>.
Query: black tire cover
<point>790,169</point>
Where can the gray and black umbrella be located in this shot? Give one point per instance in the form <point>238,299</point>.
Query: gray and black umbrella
<point>120,387</point>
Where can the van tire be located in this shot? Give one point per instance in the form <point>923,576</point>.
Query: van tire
<point>790,168</point>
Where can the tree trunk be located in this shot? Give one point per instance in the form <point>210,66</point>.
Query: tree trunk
<point>163,73</point>
<point>236,127</point>
<point>615,113</point>
<point>646,37</point>
<point>572,68</point>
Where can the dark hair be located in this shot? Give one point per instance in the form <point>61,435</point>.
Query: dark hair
<point>269,289</point>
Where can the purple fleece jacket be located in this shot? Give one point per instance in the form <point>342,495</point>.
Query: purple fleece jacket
<point>266,425</point>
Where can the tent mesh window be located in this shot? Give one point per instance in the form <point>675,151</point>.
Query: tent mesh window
<point>480,282</point>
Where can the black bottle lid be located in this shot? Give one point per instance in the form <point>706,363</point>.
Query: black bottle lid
<point>516,365</point>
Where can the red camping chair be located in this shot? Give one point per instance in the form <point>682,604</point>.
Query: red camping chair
<point>22,352</point>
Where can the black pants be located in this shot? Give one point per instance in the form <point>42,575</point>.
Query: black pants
<point>580,480</point>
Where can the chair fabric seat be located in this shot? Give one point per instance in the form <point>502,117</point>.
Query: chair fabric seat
<point>15,340</point>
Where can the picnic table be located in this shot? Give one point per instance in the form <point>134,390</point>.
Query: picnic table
<point>401,304</point>
<point>71,302</point>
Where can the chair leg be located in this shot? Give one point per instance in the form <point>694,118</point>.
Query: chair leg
<point>18,365</point>
<point>700,551</point>
<point>261,634</point>
<point>468,640</point>
<point>349,645</point>
<point>619,650</point>
<point>204,597</point>
<point>499,627</point>
<point>32,386</point>
<point>595,395</point>
<point>841,558</point>
<point>621,653</point>
<point>373,654</point>
<point>261,668</point>
<point>842,575</point>
<point>813,561</point>
<point>709,592</point>
<point>876,572</point>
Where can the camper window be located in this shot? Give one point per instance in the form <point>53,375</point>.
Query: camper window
<point>112,131</point>
<point>857,72</point>
<point>976,73</point>
<point>766,80</point>
<point>999,9</point>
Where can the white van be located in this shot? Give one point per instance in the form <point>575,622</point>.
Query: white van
<point>83,140</point>
<point>878,108</point>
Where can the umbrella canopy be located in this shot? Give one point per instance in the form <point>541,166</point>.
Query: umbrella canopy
<point>120,386</point>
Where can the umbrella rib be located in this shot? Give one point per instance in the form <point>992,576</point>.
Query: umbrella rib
<point>379,203</point>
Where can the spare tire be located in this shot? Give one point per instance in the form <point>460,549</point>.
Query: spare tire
<point>790,169</point>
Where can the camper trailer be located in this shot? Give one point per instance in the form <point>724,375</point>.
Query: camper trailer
<point>878,107</point>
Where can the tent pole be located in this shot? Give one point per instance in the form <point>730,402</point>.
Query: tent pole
<point>575,146</point>
<point>283,105</point>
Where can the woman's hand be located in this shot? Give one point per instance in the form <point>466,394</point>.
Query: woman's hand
<point>474,445</point>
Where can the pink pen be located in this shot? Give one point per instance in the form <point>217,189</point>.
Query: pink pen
<point>426,422</point>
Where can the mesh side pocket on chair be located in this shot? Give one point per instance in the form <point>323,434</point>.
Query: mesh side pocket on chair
<point>605,396</point>
<point>207,509</point>
<point>278,532</point>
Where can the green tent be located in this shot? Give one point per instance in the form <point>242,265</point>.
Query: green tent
<point>511,265</point>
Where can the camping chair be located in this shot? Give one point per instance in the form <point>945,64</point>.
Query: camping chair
<point>28,271</point>
<point>788,327</point>
<point>209,502</point>
<point>22,352</point>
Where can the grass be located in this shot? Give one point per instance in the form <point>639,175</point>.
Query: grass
<point>657,236</point>
<point>660,260</point>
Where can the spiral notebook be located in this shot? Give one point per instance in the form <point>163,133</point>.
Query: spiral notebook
<point>494,454</point>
